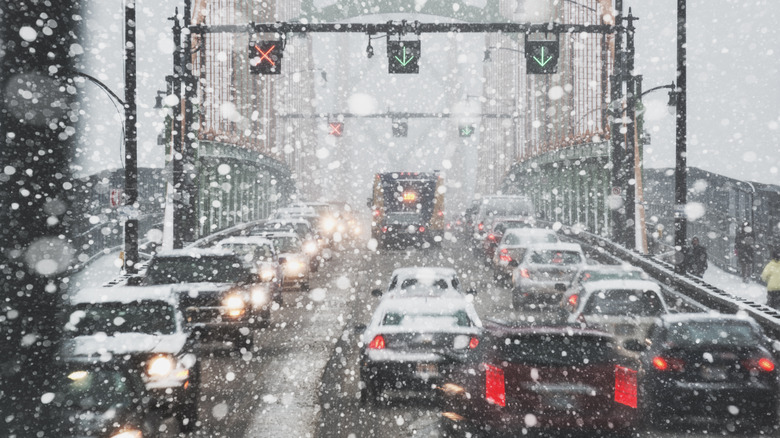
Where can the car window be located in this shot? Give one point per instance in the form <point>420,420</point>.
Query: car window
<point>409,282</point>
<point>250,252</point>
<point>596,275</point>
<point>153,317</point>
<point>553,257</point>
<point>442,319</point>
<point>553,349</point>
<point>393,282</point>
<point>172,270</point>
<point>624,302</point>
<point>287,243</point>
<point>708,333</point>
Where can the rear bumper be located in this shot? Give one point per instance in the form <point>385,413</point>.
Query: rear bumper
<point>416,375</point>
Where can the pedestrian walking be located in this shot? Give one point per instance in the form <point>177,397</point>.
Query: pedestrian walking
<point>771,276</point>
<point>744,248</point>
<point>696,258</point>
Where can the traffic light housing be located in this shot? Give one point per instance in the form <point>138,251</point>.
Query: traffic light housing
<point>541,57</point>
<point>466,130</point>
<point>336,128</point>
<point>265,57</point>
<point>400,128</point>
<point>403,56</point>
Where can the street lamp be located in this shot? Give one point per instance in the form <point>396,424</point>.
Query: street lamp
<point>487,52</point>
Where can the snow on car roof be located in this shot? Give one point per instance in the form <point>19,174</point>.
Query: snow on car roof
<point>275,234</point>
<point>712,317</point>
<point>423,271</point>
<point>288,220</point>
<point>124,294</point>
<point>419,305</point>
<point>622,284</point>
<point>194,252</point>
<point>529,231</point>
<point>254,240</point>
<point>560,246</point>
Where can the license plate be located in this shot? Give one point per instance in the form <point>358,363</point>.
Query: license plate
<point>560,402</point>
<point>427,369</point>
<point>714,373</point>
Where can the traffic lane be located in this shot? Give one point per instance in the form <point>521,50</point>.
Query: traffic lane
<point>404,413</point>
<point>271,390</point>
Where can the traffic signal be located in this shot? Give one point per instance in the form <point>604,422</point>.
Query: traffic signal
<point>466,130</point>
<point>265,57</point>
<point>403,56</point>
<point>400,128</point>
<point>541,57</point>
<point>336,128</point>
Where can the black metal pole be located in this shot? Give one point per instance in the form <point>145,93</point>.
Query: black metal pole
<point>189,191</point>
<point>131,141</point>
<point>628,170</point>
<point>681,165</point>
<point>617,152</point>
<point>179,209</point>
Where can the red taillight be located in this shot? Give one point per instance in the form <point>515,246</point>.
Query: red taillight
<point>763,364</point>
<point>481,226</point>
<point>473,343</point>
<point>625,386</point>
<point>384,229</point>
<point>492,237</point>
<point>441,213</point>
<point>573,300</point>
<point>670,364</point>
<point>378,343</point>
<point>494,385</point>
<point>376,213</point>
<point>524,273</point>
<point>421,229</point>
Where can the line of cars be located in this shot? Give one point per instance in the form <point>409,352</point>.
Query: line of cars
<point>156,327</point>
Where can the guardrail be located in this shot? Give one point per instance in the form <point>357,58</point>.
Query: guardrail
<point>702,292</point>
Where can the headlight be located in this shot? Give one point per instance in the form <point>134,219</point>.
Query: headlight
<point>132,433</point>
<point>267,274</point>
<point>294,265</point>
<point>160,366</point>
<point>310,248</point>
<point>328,224</point>
<point>235,305</point>
<point>260,296</point>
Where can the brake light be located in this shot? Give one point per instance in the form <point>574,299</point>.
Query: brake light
<point>378,343</point>
<point>481,226</point>
<point>473,343</point>
<point>495,392</point>
<point>377,213</point>
<point>491,237</point>
<point>422,229</point>
<point>384,229</point>
<point>573,300</point>
<point>763,364</point>
<point>668,364</point>
<point>524,273</point>
<point>625,386</point>
<point>441,213</point>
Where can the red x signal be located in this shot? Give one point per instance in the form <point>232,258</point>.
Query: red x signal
<point>264,55</point>
<point>336,128</point>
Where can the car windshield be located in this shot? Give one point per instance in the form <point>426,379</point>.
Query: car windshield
<point>621,302</point>
<point>553,349</point>
<point>517,239</point>
<point>442,319</point>
<point>403,218</point>
<point>713,333</point>
<point>250,252</point>
<point>92,390</point>
<point>287,244</point>
<point>554,257</point>
<point>624,274</point>
<point>206,269</point>
<point>148,317</point>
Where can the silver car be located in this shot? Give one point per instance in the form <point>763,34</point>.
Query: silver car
<point>545,273</point>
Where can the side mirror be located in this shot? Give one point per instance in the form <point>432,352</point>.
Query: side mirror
<point>376,293</point>
<point>634,345</point>
<point>359,329</point>
<point>471,292</point>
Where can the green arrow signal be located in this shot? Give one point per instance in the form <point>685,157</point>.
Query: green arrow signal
<point>465,131</point>
<point>405,61</point>
<point>543,61</point>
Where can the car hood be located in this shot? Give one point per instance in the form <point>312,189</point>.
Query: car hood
<point>124,343</point>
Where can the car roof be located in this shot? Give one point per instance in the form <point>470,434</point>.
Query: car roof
<point>708,317</point>
<point>418,304</point>
<point>275,234</point>
<point>499,329</point>
<point>193,252</point>
<point>288,220</point>
<point>416,271</point>
<point>531,231</point>
<point>622,284</point>
<point>255,240</point>
<point>123,294</point>
<point>624,267</point>
<point>559,246</point>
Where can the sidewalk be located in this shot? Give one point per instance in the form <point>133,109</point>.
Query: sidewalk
<point>100,271</point>
<point>733,284</point>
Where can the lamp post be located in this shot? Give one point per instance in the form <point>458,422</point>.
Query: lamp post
<point>131,141</point>
<point>681,165</point>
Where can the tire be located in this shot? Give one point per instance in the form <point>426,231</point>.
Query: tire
<point>305,286</point>
<point>369,394</point>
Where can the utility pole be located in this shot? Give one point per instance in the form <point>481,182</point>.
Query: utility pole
<point>681,165</point>
<point>131,141</point>
<point>189,190</point>
<point>628,169</point>
<point>617,155</point>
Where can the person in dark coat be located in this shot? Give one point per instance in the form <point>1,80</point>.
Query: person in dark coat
<point>696,258</point>
<point>744,247</point>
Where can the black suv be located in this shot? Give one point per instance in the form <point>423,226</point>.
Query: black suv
<point>218,294</point>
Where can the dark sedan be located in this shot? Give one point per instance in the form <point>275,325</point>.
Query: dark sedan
<point>552,379</point>
<point>706,368</point>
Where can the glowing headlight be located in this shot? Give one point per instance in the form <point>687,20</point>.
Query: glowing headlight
<point>294,265</point>
<point>310,248</point>
<point>260,296</point>
<point>235,305</point>
<point>160,366</point>
<point>132,433</point>
<point>267,274</point>
<point>77,375</point>
<point>328,224</point>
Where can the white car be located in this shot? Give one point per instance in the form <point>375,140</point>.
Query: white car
<point>625,308</point>
<point>258,252</point>
<point>296,263</point>
<point>413,280</point>
<point>545,273</point>
<point>142,326</point>
<point>513,244</point>
<point>407,339</point>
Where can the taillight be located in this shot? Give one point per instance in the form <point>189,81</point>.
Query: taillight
<point>378,343</point>
<point>524,273</point>
<point>421,229</point>
<point>491,237</point>
<point>763,364</point>
<point>481,226</point>
<point>376,213</point>
<point>384,229</point>
<point>495,391</point>
<point>573,300</point>
<point>668,364</point>
<point>473,343</point>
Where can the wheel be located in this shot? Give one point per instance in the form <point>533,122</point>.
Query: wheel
<point>305,286</point>
<point>369,394</point>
